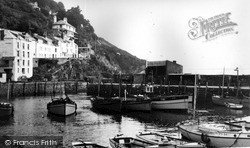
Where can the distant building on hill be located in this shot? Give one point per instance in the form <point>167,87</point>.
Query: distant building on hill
<point>158,71</point>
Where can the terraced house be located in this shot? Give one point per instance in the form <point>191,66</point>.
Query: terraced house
<point>19,51</point>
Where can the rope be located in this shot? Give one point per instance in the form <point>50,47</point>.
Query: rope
<point>235,140</point>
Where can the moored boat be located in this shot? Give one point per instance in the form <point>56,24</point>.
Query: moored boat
<point>62,107</point>
<point>240,122</point>
<point>120,141</point>
<point>234,106</point>
<point>161,140</point>
<point>82,144</point>
<point>106,104</point>
<point>216,136</point>
<point>167,102</point>
<point>136,104</point>
<point>172,102</point>
<point>6,109</point>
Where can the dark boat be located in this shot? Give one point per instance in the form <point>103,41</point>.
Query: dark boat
<point>62,107</point>
<point>106,104</point>
<point>136,104</point>
<point>82,144</point>
<point>6,109</point>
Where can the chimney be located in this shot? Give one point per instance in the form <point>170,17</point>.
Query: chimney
<point>65,19</point>
<point>174,61</point>
<point>55,18</point>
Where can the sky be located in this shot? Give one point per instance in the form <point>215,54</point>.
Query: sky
<point>157,30</point>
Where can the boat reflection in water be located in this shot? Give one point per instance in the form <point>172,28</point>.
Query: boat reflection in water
<point>62,119</point>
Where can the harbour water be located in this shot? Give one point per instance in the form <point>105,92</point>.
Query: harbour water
<point>31,119</point>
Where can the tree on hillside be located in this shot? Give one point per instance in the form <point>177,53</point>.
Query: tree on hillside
<point>83,27</point>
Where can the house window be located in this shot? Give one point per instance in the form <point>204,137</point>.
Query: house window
<point>28,54</point>
<point>23,62</point>
<point>18,45</point>
<point>17,70</point>
<point>28,46</point>
<point>23,46</point>
<point>18,53</point>
<point>28,62</point>
<point>23,53</point>
<point>23,70</point>
<point>18,62</point>
<point>55,49</point>
<point>28,70</point>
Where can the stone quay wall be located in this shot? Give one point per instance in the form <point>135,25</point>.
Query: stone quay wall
<point>204,93</point>
<point>19,89</point>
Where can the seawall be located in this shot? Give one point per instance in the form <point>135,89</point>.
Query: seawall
<point>19,89</point>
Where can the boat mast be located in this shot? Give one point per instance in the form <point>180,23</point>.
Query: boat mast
<point>8,92</point>
<point>195,94</point>
<point>237,69</point>
<point>223,79</point>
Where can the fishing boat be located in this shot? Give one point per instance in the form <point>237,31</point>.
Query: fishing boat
<point>172,102</point>
<point>106,104</point>
<point>82,144</point>
<point>216,135</point>
<point>121,141</point>
<point>222,99</point>
<point>159,139</point>
<point>233,105</point>
<point>62,106</point>
<point>6,108</point>
<point>136,103</point>
<point>167,102</point>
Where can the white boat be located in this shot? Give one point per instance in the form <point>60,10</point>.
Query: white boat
<point>233,105</point>
<point>62,107</point>
<point>162,140</point>
<point>173,102</point>
<point>239,122</point>
<point>120,141</point>
<point>216,136</point>
<point>82,144</point>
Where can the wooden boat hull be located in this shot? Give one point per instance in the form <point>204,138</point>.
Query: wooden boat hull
<point>144,105</point>
<point>63,109</point>
<point>127,142</point>
<point>170,105</point>
<point>179,102</point>
<point>6,111</point>
<point>161,140</point>
<point>216,139</point>
<point>106,104</point>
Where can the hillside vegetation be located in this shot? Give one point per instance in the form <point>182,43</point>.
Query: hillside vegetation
<point>107,60</point>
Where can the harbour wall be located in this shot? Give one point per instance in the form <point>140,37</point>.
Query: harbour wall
<point>19,89</point>
<point>204,93</point>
